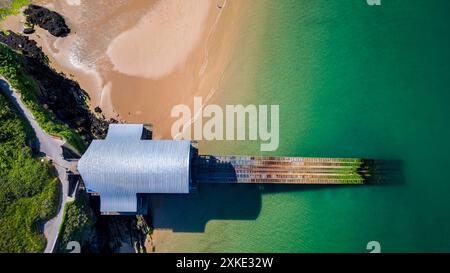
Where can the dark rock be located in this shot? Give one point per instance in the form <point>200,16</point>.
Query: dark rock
<point>60,95</point>
<point>98,110</point>
<point>47,19</point>
<point>28,31</point>
<point>23,44</point>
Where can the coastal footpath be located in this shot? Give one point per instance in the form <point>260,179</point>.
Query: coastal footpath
<point>29,191</point>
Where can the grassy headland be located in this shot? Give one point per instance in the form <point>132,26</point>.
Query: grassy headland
<point>11,68</point>
<point>28,187</point>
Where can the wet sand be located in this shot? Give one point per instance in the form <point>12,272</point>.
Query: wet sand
<point>137,59</point>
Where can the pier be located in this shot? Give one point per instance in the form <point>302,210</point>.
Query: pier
<point>128,164</point>
<point>280,170</point>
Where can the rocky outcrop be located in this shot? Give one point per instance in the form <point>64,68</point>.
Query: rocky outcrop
<point>28,31</point>
<point>23,44</point>
<point>118,233</point>
<point>124,235</point>
<point>47,19</point>
<point>67,101</point>
<point>59,94</point>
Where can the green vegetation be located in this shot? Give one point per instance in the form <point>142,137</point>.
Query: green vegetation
<point>10,7</point>
<point>78,222</point>
<point>28,187</point>
<point>346,171</point>
<point>11,68</point>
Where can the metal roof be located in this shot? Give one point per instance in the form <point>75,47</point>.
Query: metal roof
<point>123,165</point>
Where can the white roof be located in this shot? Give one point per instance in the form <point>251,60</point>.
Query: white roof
<point>123,165</point>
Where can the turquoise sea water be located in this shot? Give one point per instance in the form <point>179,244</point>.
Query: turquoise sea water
<point>351,81</point>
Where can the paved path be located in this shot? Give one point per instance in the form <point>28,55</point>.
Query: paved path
<point>52,148</point>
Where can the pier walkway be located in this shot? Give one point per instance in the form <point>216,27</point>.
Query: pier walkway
<point>279,170</point>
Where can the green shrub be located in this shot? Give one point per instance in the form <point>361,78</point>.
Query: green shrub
<point>28,188</point>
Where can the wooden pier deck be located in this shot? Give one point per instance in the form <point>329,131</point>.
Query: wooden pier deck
<point>279,170</point>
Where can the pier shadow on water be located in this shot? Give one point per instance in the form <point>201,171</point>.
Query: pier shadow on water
<point>233,201</point>
<point>191,213</point>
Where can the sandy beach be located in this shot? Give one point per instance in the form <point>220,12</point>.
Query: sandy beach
<point>137,59</point>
